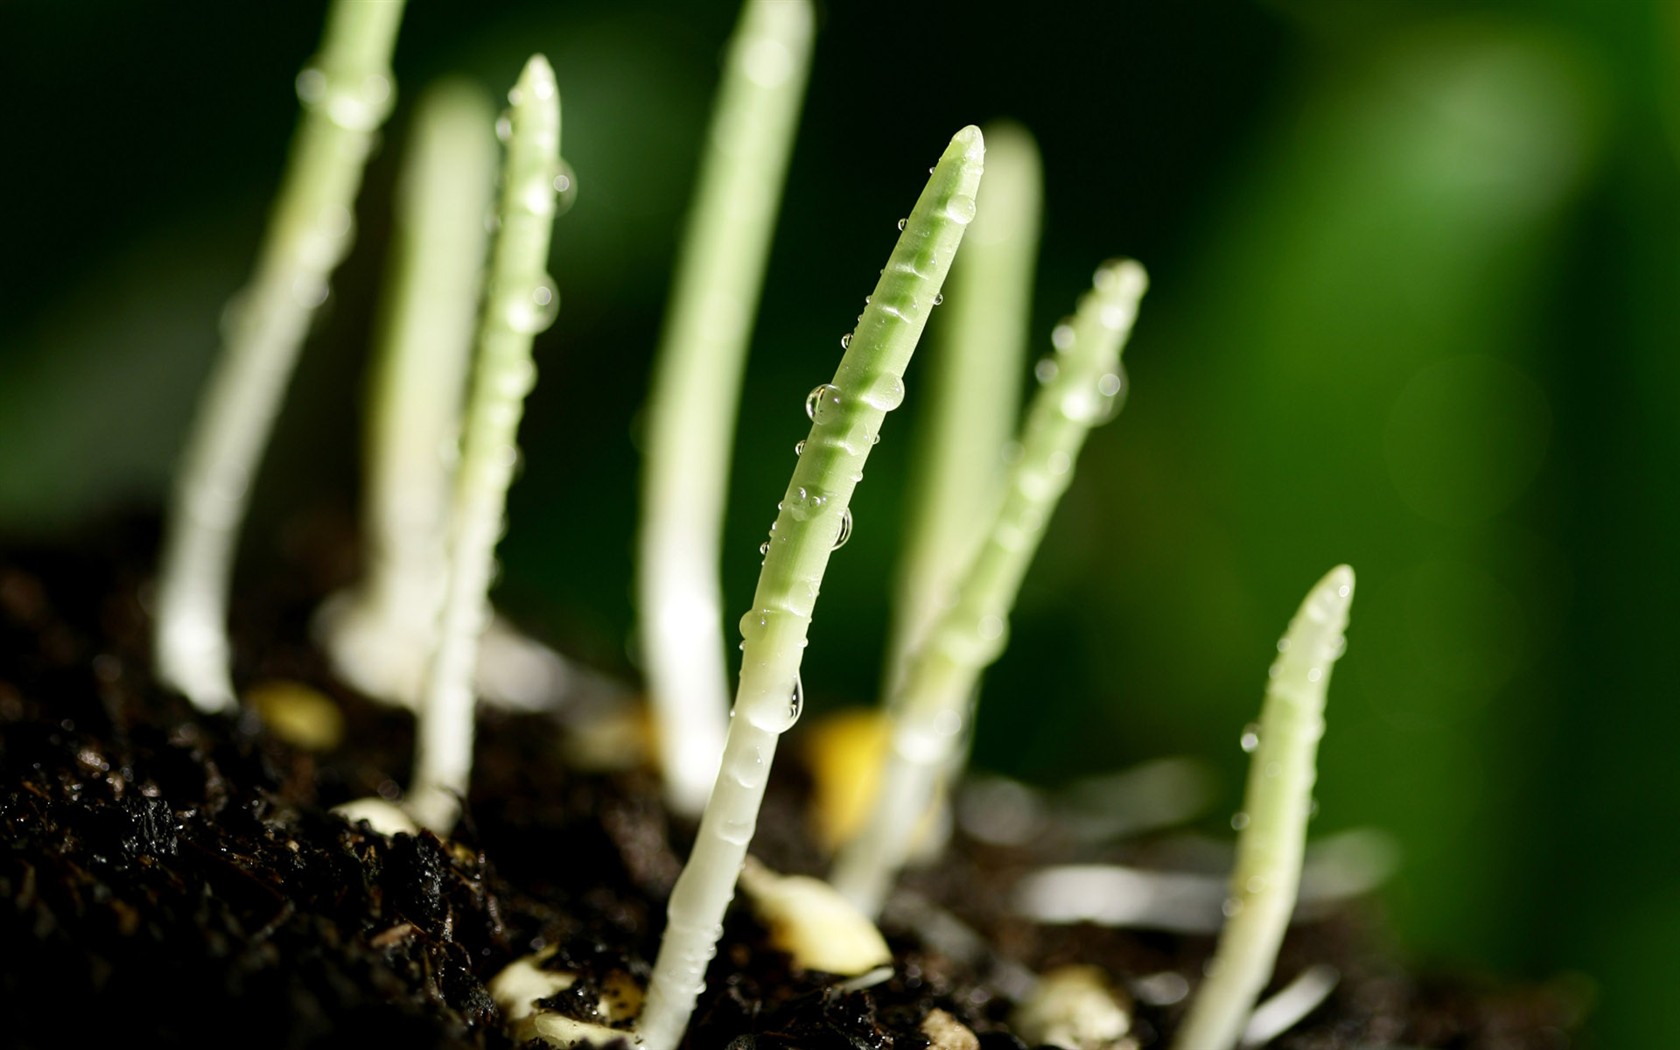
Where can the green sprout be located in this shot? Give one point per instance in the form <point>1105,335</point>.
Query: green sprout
<point>346,91</point>
<point>381,634</point>
<point>813,518</point>
<point>973,389</point>
<point>1273,822</point>
<point>1081,387</point>
<point>520,301</point>
<point>696,387</point>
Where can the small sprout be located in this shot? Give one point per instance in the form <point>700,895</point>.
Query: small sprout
<point>521,302</point>
<point>930,708</point>
<point>1278,802</point>
<point>1075,1007</point>
<point>815,926</point>
<point>346,92</point>
<point>380,635</point>
<point>696,387</point>
<point>1290,1004</point>
<point>1337,869</point>
<point>867,384</point>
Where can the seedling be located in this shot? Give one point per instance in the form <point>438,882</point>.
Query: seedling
<point>346,93</point>
<point>813,517</point>
<point>1273,822</point>
<point>1081,385</point>
<point>696,387</point>
<point>520,302</point>
<point>381,634</point>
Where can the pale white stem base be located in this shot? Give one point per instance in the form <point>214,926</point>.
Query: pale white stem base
<point>686,676</point>
<point>707,884</point>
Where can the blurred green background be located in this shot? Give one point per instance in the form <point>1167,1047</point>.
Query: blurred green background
<point>1416,292</point>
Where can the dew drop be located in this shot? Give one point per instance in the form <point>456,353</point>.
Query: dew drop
<point>504,127</point>
<point>939,299</point>
<point>764,548</point>
<point>806,503</point>
<point>1239,821</point>
<point>1231,907</point>
<point>565,188</point>
<point>903,223</point>
<point>1061,337</point>
<point>886,393</point>
<point>1255,884</point>
<point>960,210</point>
<point>799,448</point>
<point>846,340</point>
<point>738,832</point>
<point>845,532</point>
<point>311,86</point>
<point>796,701</point>
<point>1315,674</point>
<point>1045,370</point>
<point>821,402</point>
<point>534,311</point>
<point>1251,737</point>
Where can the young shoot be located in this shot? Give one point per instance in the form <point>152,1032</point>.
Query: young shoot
<point>696,386</point>
<point>974,389</point>
<point>520,302</point>
<point>1273,828</point>
<point>346,91</point>
<point>381,634</point>
<point>814,515</point>
<point>1081,386</point>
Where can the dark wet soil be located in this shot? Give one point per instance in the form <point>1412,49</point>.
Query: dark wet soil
<point>175,879</point>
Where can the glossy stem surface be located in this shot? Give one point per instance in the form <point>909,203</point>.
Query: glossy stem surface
<point>846,416</point>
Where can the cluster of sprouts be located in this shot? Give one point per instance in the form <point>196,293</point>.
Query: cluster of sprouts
<point>455,368</point>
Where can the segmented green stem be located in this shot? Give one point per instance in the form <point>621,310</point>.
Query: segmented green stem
<point>846,417</point>
<point>380,636</point>
<point>974,390</point>
<point>346,92</point>
<point>520,302</point>
<point>696,387</point>
<point>1082,383</point>
<point>1273,822</point>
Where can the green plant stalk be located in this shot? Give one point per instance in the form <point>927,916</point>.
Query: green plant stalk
<point>974,390</point>
<point>846,418</point>
<point>1081,386</point>
<point>520,302</point>
<point>696,388</point>
<point>1276,807</point>
<point>381,635</point>
<point>346,93</point>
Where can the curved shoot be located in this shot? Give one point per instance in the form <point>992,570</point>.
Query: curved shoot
<point>696,387</point>
<point>846,416</point>
<point>1277,805</point>
<point>346,93</point>
<point>930,709</point>
<point>520,302</point>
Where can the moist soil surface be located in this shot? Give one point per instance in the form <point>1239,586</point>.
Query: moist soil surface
<point>172,878</point>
